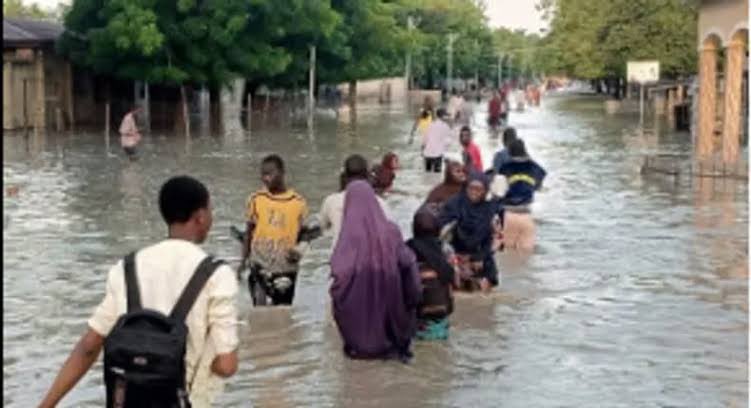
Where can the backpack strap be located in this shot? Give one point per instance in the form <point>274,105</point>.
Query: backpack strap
<point>131,283</point>
<point>196,283</point>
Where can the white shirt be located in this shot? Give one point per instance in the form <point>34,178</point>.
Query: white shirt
<point>437,139</point>
<point>163,270</point>
<point>129,136</point>
<point>454,105</point>
<point>332,212</point>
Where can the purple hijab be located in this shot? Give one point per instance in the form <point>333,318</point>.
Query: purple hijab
<point>376,285</point>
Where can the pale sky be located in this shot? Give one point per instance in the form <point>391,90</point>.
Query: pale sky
<point>502,13</point>
<point>515,14</point>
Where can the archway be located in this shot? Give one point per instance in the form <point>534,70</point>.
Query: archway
<point>708,60</point>
<point>736,69</point>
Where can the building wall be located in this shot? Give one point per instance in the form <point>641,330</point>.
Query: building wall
<point>722,18</point>
<point>18,75</point>
<point>384,89</point>
<point>57,89</point>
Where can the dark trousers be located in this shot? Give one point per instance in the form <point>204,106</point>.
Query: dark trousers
<point>433,164</point>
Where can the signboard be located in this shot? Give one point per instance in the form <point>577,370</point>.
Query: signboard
<point>643,72</point>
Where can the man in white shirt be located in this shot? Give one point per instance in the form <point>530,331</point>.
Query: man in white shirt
<point>162,271</point>
<point>332,209</point>
<point>454,106</point>
<point>437,139</point>
<point>129,134</point>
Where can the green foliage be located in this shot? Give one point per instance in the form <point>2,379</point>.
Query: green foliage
<point>594,39</point>
<point>435,20</point>
<point>267,41</point>
<point>16,9</point>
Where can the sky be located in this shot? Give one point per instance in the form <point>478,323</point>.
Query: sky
<point>515,14</point>
<point>501,13</point>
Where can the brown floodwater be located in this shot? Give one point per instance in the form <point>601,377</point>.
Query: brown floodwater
<point>636,295</point>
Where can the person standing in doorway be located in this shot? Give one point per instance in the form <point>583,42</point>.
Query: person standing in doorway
<point>129,134</point>
<point>437,138</point>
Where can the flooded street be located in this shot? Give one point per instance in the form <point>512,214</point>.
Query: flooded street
<point>636,295</point>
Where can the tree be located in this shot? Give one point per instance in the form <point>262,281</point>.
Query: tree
<point>369,42</point>
<point>16,9</point>
<point>595,40</point>
<point>473,49</point>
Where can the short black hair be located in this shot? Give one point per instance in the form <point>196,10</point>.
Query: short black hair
<point>355,166</point>
<point>517,148</point>
<point>276,160</point>
<point>465,127</point>
<point>441,113</point>
<point>180,197</point>
<point>509,135</point>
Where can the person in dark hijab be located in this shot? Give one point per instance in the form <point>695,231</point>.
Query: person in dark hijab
<point>376,284</point>
<point>383,174</point>
<point>437,276</point>
<point>472,219</point>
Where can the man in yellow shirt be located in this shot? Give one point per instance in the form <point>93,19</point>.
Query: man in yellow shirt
<point>275,216</point>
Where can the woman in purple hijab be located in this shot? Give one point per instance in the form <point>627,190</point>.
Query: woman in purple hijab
<point>376,287</point>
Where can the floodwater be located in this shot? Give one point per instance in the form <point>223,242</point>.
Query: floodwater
<point>636,295</point>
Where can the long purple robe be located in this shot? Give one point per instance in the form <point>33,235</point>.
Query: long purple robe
<point>376,286</point>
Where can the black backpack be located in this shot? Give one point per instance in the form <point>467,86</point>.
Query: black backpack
<point>144,354</point>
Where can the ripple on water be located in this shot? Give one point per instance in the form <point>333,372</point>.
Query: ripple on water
<point>635,296</point>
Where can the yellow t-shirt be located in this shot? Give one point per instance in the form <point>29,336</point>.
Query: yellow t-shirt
<point>278,219</point>
<point>423,124</point>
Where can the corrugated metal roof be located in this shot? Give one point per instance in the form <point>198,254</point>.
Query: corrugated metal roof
<point>22,31</point>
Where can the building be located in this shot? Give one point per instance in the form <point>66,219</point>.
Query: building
<point>723,79</point>
<point>37,83</point>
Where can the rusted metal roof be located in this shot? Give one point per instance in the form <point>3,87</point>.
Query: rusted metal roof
<point>29,33</point>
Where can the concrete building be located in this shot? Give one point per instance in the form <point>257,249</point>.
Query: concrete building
<point>723,79</point>
<point>37,83</point>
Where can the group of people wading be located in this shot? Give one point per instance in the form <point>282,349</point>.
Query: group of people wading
<point>385,290</point>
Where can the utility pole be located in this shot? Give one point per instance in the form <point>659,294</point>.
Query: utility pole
<point>450,61</point>
<point>311,85</point>
<point>500,70</point>
<point>477,74</point>
<point>408,65</point>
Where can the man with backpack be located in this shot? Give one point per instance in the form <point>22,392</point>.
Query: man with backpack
<point>168,313</point>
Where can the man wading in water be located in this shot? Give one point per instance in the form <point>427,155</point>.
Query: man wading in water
<point>162,272</point>
<point>129,134</point>
<point>275,216</point>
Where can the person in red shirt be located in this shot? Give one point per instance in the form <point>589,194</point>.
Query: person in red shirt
<point>471,153</point>
<point>494,112</point>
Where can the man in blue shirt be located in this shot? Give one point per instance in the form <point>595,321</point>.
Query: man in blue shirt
<point>524,176</point>
<point>503,156</point>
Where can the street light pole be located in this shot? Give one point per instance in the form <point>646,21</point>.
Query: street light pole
<point>500,69</point>
<point>408,67</point>
<point>477,74</point>
<point>450,61</point>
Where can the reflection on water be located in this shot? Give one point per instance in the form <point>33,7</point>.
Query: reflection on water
<point>636,294</point>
